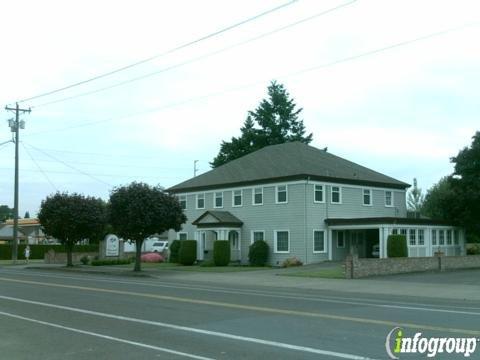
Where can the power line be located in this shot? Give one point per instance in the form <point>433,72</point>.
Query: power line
<point>177,48</point>
<point>70,166</point>
<point>256,83</point>
<point>39,168</point>
<point>193,60</point>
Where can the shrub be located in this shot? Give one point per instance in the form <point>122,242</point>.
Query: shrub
<point>188,252</point>
<point>111,262</point>
<point>174,249</point>
<point>397,246</point>
<point>221,252</point>
<point>293,261</point>
<point>85,260</point>
<point>258,253</point>
<point>473,249</point>
<point>152,258</point>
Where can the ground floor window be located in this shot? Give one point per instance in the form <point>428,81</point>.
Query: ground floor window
<point>182,236</point>
<point>319,241</point>
<point>258,235</point>
<point>282,241</point>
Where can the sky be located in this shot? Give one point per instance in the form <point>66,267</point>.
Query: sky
<point>391,85</point>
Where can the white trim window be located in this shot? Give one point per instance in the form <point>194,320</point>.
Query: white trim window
<point>218,201</point>
<point>182,199</point>
<point>441,237</point>
<point>421,237</point>
<point>281,194</point>
<point>449,237</point>
<point>367,197</point>
<point>336,195</point>
<point>456,238</point>
<point>388,198</point>
<point>412,239</point>
<point>282,241</point>
<point>318,194</point>
<point>257,235</point>
<point>394,231</point>
<point>201,201</point>
<point>434,237</point>
<point>182,236</point>
<point>257,196</point>
<point>237,198</point>
<point>319,242</point>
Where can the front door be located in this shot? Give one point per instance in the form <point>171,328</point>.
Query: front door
<point>234,240</point>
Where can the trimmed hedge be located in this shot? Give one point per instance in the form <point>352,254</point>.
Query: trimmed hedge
<point>174,249</point>
<point>221,252</point>
<point>397,246</point>
<point>38,251</point>
<point>258,253</point>
<point>187,254</point>
<point>111,262</point>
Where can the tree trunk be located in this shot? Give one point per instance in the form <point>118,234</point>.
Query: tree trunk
<point>138,254</point>
<point>69,248</point>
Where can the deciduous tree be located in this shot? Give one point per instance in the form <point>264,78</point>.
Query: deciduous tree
<point>71,218</point>
<point>139,210</point>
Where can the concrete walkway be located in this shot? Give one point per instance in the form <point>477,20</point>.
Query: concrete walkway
<point>399,285</point>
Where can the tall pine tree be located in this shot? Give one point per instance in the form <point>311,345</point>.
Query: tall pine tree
<point>274,121</point>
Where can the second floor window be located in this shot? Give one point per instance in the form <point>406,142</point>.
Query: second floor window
<point>218,199</point>
<point>200,201</point>
<point>335,195</point>
<point>182,199</point>
<point>282,194</point>
<point>318,193</point>
<point>257,196</point>
<point>367,197</point>
<point>388,198</point>
<point>237,198</point>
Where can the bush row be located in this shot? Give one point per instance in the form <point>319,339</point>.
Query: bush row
<point>38,251</point>
<point>185,252</point>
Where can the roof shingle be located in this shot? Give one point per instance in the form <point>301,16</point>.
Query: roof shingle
<point>288,161</point>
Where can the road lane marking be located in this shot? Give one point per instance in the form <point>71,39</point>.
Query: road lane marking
<point>323,298</point>
<point>107,337</point>
<point>190,329</point>
<point>254,308</point>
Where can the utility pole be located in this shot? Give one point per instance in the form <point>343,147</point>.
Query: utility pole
<point>195,169</point>
<point>15,126</point>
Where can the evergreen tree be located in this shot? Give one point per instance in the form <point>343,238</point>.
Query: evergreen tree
<point>275,121</point>
<point>415,199</point>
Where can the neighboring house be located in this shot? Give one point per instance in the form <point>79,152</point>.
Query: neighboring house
<point>307,203</point>
<point>6,234</point>
<point>29,229</point>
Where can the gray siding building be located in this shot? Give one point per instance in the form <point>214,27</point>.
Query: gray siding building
<point>307,203</point>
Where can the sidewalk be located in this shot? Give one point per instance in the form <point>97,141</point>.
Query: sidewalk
<point>270,278</point>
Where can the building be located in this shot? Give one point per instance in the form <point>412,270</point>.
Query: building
<point>307,203</point>
<point>29,230</point>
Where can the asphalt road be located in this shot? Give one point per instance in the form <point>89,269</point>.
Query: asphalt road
<point>53,315</point>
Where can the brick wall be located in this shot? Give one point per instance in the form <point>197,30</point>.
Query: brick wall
<point>358,268</point>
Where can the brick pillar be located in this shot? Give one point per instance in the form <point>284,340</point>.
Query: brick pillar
<point>441,263</point>
<point>351,261</point>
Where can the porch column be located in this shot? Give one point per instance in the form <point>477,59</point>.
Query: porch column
<point>330,246</point>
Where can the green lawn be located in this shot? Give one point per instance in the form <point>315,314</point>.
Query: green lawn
<point>332,273</point>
